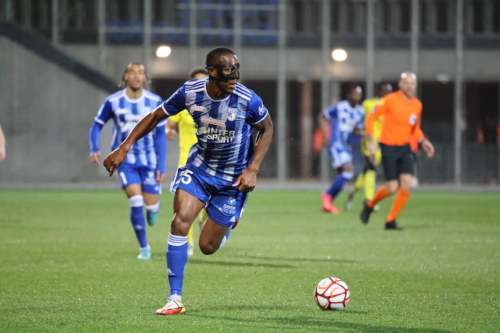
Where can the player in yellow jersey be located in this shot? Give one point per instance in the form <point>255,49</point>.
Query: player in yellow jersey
<point>187,138</point>
<point>368,177</point>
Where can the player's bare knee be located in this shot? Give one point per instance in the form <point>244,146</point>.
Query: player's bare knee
<point>208,248</point>
<point>180,225</point>
<point>392,186</point>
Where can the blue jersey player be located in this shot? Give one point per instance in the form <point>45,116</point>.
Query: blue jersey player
<point>345,117</point>
<point>222,166</point>
<point>143,169</point>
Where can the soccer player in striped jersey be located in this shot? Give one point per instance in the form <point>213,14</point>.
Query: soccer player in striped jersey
<point>187,131</point>
<point>143,170</point>
<point>345,117</point>
<point>222,167</point>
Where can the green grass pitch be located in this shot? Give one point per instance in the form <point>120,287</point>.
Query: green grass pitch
<point>68,264</point>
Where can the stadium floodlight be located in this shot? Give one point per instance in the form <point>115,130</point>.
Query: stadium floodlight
<point>163,51</point>
<point>339,54</point>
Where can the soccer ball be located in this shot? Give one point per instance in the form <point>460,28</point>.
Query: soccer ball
<point>332,294</point>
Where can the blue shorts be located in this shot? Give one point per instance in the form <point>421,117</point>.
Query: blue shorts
<point>339,154</point>
<point>129,174</point>
<point>223,202</point>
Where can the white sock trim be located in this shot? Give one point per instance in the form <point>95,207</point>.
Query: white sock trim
<point>153,208</point>
<point>347,174</point>
<point>136,201</point>
<point>177,240</point>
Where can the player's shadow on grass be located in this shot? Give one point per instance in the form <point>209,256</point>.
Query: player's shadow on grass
<point>235,263</point>
<point>302,259</point>
<point>318,324</point>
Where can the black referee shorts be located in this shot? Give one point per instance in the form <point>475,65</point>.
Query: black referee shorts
<point>396,160</point>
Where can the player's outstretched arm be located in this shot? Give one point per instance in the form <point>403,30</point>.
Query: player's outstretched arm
<point>323,125</point>
<point>247,180</point>
<point>143,127</point>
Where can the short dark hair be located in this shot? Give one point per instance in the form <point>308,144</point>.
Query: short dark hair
<point>123,83</point>
<point>213,57</point>
<point>352,87</point>
<point>197,70</point>
<point>384,84</point>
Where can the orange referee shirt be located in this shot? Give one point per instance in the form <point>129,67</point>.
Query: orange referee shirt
<point>401,119</point>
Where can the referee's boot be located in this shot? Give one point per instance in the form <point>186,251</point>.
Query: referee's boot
<point>365,213</point>
<point>391,225</point>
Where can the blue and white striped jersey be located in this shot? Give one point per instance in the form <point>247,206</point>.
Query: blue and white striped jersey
<point>126,113</point>
<point>344,119</point>
<point>224,127</point>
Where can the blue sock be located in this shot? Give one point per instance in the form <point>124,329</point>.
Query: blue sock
<point>137,218</point>
<point>338,183</point>
<point>176,261</point>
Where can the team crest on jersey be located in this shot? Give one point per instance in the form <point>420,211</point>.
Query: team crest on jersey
<point>262,110</point>
<point>232,114</point>
<point>413,119</point>
<point>198,108</point>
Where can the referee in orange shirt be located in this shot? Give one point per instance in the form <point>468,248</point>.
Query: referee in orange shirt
<point>401,113</point>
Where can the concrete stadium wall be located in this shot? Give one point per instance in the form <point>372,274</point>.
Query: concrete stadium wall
<point>46,113</point>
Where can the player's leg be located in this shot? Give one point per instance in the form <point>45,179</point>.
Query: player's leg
<point>405,169</point>
<point>136,203</point>
<point>151,192</point>
<point>389,163</point>
<point>186,208</point>
<point>343,160</point>
<point>371,175</point>
<point>213,236</point>
<point>152,204</point>
<point>224,210</point>
<point>358,185</point>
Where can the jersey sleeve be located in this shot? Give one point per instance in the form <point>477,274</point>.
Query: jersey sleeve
<point>176,103</point>
<point>256,111</point>
<point>377,111</point>
<point>330,113</point>
<point>105,113</point>
<point>417,131</point>
<point>361,122</point>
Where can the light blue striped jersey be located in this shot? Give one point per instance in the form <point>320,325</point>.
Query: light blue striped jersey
<point>224,127</point>
<point>126,113</point>
<point>344,119</point>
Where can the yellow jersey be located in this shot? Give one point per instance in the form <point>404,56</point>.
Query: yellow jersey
<point>187,134</point>
<point>368,105</point>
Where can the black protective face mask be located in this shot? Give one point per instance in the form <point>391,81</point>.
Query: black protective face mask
<point>234,75</point>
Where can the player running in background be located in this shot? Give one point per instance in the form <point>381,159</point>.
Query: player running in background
<point>187,131</point>
<point>3,153</point>
<point>222,167</point>
<point>143,170</point>
<point>345,117</point>
<point>401,113</point>
<point>368,177</point>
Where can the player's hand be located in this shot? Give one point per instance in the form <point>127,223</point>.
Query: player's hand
<point>160,177</point>
<point>171,134</point>
<point>2,154</point>
<point>246,181</point>
<point>114,160</point>
<point>429,148</point>
<point>94,157</point>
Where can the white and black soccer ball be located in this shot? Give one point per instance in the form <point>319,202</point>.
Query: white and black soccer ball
<point>332,294</point>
